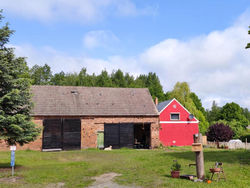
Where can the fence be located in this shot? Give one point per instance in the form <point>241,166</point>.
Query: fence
<point>228,145</point>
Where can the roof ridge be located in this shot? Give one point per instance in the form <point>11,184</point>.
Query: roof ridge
<point>90,87</point>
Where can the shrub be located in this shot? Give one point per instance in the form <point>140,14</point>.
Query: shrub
<point>219,133</point>
<point>245,136</point>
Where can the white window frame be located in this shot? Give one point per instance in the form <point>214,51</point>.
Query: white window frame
<point>175,113</point>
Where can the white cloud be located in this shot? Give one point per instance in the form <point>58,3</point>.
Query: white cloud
<point>79,10</point>
<point>99,38</point>
<point>216,65</point>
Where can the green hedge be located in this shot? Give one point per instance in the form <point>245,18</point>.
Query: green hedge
<point>243,138</point>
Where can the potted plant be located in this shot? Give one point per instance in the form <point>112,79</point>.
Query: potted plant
<point>175,169</point>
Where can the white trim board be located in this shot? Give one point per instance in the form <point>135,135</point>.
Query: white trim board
<point>179,121</point>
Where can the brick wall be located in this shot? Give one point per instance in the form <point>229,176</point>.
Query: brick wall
<point>89,128</point>
<point>36,145</point>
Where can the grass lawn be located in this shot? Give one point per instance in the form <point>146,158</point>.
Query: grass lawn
<point>146,168</point>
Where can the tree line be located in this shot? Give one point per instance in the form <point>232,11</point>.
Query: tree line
<point>230,114</point>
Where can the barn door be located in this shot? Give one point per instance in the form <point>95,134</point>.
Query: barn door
<point>119,135</point>
<point>71,134</point>
<point>52,134</point>
<point>127,135</point>
<point>111,135</point>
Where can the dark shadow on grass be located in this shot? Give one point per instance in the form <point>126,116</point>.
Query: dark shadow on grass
<point>225,156</point>
<point>167,176</point>
<point>6,166</point>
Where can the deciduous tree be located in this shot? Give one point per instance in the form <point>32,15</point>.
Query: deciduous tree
<point>182,93</point>
<point>219,132</point>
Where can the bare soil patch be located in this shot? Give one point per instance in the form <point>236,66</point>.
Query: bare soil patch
<point>106,180</point>
<point>10,179</point>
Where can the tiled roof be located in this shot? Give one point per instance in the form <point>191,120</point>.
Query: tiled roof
<point>91,101</point>
<point>163,104</point>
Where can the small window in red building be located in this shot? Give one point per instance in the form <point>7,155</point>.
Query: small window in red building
<point>174,116</point>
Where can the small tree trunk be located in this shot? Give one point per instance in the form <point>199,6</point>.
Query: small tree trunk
<point>218,144</point>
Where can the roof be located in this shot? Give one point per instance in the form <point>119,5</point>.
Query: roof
<point>91,101</point>
<point>163,104</point>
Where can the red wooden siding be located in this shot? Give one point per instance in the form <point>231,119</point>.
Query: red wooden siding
<point>177,132</point>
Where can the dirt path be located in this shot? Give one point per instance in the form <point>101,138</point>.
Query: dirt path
<point>106,181</point>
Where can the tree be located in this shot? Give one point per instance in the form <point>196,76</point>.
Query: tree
<point>58,79</point>
<point>214,114</point>
<point>154,85</point>
<point>41,75</point>
<point>219,132</point>
<point>197,103</point>
<point>246,113</point>
<point>118,79</point>
<point>182,93</point>
<point>232,111</point>
<point>152,82</point>
<point>84,79</point>
<point>15,98</point>
<point>129,80</point>
<point>248,45</point>
<point>103,80</point>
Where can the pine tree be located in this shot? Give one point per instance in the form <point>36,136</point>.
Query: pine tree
<point>15,98</point>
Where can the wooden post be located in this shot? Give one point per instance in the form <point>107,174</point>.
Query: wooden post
<point>246,143</point>
<point>199,158</point>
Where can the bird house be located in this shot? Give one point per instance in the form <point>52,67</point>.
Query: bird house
<point>196,147</point>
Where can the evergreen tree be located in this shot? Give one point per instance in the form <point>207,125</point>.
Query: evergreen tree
<point>118,79</point>
<point>15,98</point>
<point>214,114</point>
<point>129,80</point>
<point>154,86</point>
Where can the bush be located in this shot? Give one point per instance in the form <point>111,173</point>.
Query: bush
<point>219,132</point>
<point>245,136</point>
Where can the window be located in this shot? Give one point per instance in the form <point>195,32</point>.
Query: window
<point>174,116</point>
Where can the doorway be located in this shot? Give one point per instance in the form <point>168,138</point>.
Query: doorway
<point>142,138</point>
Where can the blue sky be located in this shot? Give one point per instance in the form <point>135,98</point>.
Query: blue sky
<point>201,42</point>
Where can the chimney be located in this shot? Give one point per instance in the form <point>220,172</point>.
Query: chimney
<point>156,101</point>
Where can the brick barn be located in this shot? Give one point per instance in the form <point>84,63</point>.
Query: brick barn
<point>90,117</point>
<point>177,125</point>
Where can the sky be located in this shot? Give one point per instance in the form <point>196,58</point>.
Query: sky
<point>200,42</point>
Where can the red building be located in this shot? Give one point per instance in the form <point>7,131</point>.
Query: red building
<point>177,124</point>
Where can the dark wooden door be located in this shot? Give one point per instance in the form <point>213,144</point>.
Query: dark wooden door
<point>52,134</point>
<point>71,134</point>
<point>119,135</point>
<point>111,135</point>
<point>127,135</point>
